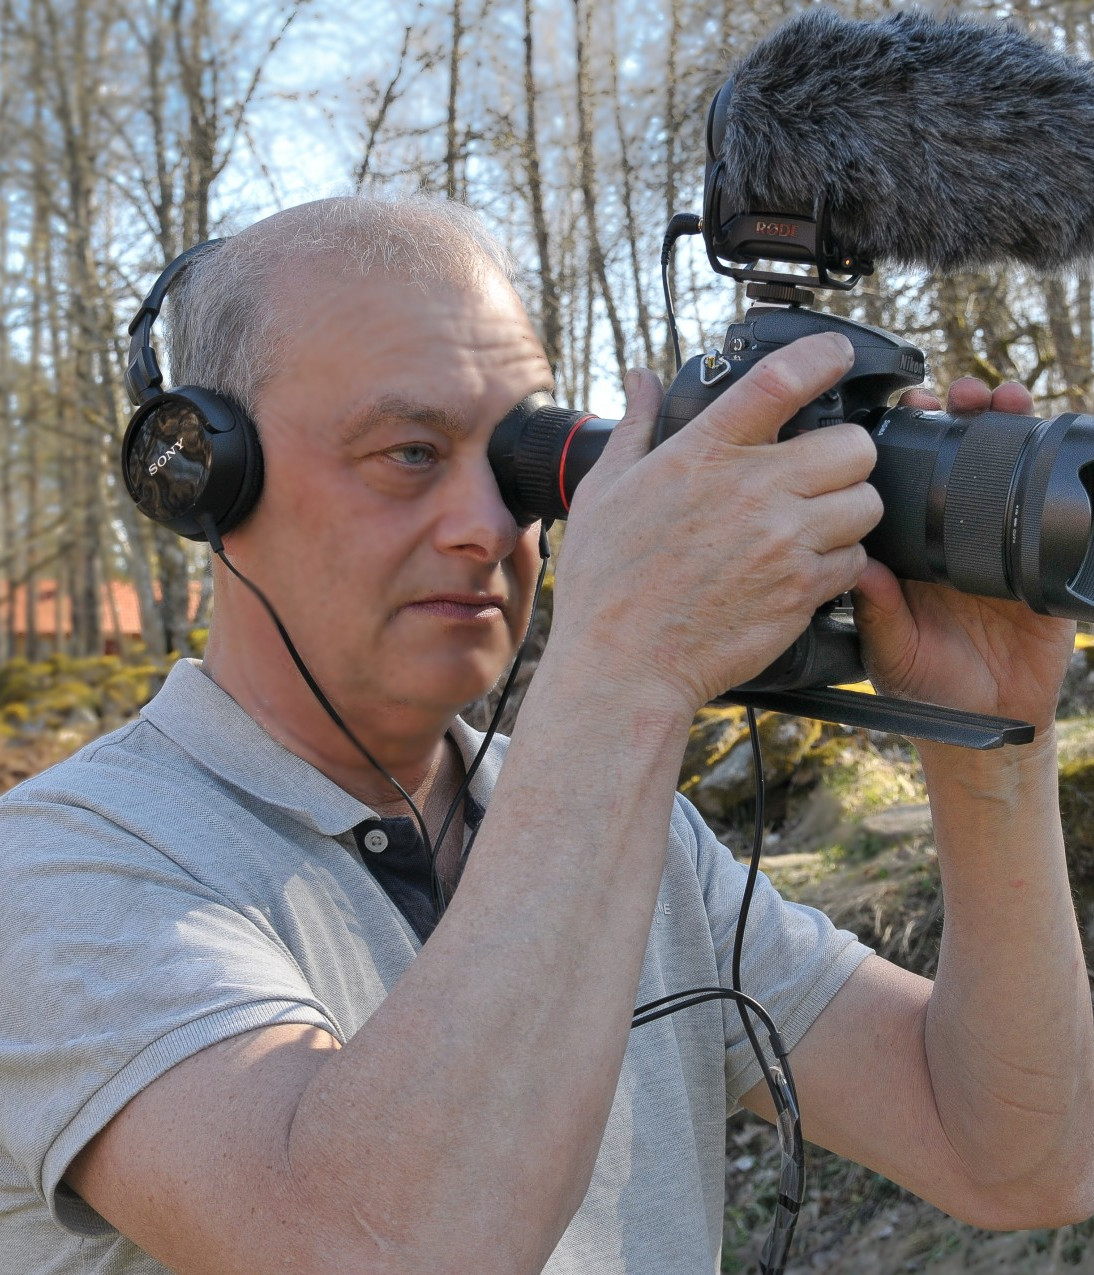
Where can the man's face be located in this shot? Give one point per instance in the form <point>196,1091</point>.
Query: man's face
<point>380,535</point>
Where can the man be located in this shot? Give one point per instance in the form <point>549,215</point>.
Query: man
<point>237,1055</point>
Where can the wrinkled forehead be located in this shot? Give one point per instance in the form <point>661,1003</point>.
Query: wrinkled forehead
<point>319,296</point>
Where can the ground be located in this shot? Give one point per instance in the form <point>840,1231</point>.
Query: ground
<point>858,832</point>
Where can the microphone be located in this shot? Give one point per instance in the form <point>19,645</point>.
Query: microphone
<point>937,142</point>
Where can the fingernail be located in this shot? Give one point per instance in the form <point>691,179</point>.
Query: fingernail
<point>845,348</point>
<point>630,382</point>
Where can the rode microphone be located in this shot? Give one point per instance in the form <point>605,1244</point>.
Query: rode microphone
<point>938,142</point>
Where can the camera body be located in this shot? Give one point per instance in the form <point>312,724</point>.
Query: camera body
<point>884,365</point>
<point>827,652</point>
<point>991,504</point>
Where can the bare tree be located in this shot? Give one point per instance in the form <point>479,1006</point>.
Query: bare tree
<point>587,178</point>
<point>550,308</point>
<point>451,152</point>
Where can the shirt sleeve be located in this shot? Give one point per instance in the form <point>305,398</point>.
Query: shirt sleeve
<point>793,961</point>
<point>116,964</point>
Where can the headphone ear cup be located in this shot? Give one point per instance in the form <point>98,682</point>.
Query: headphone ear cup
<point>190,456</point>
<point>250,485</point>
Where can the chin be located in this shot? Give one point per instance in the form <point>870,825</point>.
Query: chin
<point>451,695</point>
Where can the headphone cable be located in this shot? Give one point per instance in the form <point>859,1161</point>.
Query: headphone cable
<point>431,848</point>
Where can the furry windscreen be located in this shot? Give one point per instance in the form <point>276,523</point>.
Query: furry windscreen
<point>935,141</point>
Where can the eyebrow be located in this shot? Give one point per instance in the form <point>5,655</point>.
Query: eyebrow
<point>394,406</point>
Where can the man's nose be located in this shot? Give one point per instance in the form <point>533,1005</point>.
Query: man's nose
<point>475,519</point>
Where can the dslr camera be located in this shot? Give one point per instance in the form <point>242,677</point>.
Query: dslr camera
<point>990,504</point>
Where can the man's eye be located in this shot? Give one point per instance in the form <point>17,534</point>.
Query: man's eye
<point>413,454</point>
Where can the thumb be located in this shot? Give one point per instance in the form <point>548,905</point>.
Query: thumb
<point>755,407</point>
<point>632,437</point>
<point>885,624</point>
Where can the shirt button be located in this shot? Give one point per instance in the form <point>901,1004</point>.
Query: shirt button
<point>376,841</point>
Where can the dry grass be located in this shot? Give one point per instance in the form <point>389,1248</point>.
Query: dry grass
<point>886,889</point>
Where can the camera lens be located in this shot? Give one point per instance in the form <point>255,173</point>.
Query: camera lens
<point>992,504</point>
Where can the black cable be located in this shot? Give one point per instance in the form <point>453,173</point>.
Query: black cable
<point>317,690</point>
<point>689,224</point>
<point>778,1078</point>
<point>431,848</point>
<point>787,1115</point>
<point>680,224</point>
<point>750,882</point>
<point>495,721</point>
<point>697,995</point>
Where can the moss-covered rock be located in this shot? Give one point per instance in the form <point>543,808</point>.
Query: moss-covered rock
<point>784,741</point>
<point>196,641</point>
<point>713,733</point>
<point>129,689</point>
<point>20,680</point>
<point>861,776</point>
<point>94,670</point>
<point>65,699</point>
<point>86,695</point>
<point>1077,813</point>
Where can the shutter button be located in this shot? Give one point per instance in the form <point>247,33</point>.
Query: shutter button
<point>376,841</point>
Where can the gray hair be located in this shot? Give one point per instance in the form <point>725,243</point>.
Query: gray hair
<point>224,331</point>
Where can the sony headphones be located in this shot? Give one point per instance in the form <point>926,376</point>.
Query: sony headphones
<point>191,458</point>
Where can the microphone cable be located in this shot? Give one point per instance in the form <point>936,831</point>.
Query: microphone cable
<point>777,1076</point>
<point>680,224</point>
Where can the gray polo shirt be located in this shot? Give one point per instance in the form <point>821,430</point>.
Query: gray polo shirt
<point>186,879</point>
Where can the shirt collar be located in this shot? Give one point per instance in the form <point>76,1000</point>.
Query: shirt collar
<point>204,721</point>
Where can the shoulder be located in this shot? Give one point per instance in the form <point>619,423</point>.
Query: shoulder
<point>134,780</point>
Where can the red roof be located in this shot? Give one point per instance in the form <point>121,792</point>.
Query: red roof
<point>45,614</point>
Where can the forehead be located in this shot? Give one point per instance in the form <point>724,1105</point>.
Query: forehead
<point>354,341</point>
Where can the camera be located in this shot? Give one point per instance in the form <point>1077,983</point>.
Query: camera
<point>990,504</point>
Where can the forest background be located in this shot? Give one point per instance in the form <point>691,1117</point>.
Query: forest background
<point>130,131</point>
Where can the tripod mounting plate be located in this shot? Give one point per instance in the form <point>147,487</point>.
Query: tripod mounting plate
<point>898,716</point>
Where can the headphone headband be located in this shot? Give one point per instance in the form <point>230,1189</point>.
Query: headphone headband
<point>142,373</point>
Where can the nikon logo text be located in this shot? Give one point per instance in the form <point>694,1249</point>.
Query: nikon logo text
<point>777,229</point>
<point>157,465</point>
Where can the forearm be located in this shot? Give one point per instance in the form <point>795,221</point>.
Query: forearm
<point>1009,1038</point>
<point>485,1079</point>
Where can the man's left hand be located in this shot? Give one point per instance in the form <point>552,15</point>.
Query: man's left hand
<point>930,642</point>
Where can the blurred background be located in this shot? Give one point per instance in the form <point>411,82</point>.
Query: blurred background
<point>129,131</point>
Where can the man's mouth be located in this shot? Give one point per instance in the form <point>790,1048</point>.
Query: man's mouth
<point>466,607</point>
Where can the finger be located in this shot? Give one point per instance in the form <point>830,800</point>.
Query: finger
<point>968,394</point>
<point>922,400</point>
<point>754,409</point>
<point>971,395</point>
<point>878,598</point>
<point>632,438</point>
<point>838,571</point>
<point>1012,397</point>
<point>841,518</point>
<point>828,459</point>
<point>885,624</point>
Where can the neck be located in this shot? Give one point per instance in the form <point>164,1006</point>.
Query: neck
<point>410,746</point>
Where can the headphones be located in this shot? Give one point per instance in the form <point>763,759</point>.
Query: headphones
<point>191,458</point>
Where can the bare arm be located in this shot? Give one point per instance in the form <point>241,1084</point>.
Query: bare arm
<point>978,1092</point>
<point>974,1092</point>
<point>459,1127</point>
<point>464,1118</point>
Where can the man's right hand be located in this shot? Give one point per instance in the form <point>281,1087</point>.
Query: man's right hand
<point>698,563</point>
